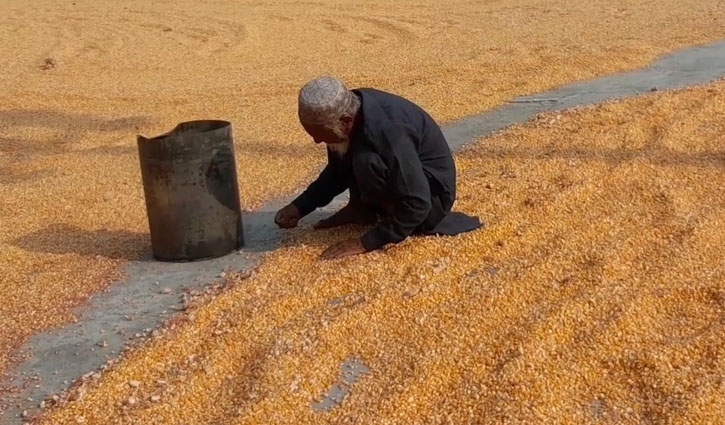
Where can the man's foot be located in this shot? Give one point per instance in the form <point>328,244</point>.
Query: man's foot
<point>349,214</point>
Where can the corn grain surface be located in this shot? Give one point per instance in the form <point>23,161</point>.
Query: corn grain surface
<point>594,295</point>
<point>80,79</point>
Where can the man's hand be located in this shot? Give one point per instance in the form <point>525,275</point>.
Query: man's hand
<point>288,216</point>
<point>344,249</point>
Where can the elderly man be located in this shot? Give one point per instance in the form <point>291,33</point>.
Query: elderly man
<point>390,155</point>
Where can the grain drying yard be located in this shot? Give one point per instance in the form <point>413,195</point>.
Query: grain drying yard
<point>595,294</point>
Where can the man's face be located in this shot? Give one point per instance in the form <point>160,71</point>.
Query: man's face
<point>330,134</point>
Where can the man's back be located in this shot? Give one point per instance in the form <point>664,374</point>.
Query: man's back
<point>382,111</point>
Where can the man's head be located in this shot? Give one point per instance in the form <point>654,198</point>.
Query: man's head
<point>327,111</point>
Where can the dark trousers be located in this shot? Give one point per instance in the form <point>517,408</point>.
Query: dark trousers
<point>376,199</point>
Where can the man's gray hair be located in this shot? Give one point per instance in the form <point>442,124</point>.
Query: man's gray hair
<point>324,100</point>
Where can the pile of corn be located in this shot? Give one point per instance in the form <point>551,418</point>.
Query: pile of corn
<point>595,294</point>
<point>82,79</point>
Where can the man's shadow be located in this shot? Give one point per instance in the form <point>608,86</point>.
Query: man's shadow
<point>68,129</point>
<point>69,239</point>
<point>261,234</point>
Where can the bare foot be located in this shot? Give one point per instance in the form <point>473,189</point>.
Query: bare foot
<point>347,215</point>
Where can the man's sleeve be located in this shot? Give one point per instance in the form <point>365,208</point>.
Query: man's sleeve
<point>410,191</point>
<point>332,181</point>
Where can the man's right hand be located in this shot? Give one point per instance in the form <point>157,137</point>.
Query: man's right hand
<point>288,217</point>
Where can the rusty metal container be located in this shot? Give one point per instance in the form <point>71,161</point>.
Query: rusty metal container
<point>191,191</point>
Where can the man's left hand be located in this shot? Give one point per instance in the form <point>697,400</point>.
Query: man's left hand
<point>344,249</point>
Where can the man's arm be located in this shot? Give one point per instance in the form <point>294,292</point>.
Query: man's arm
<point>332,181</point>
<point>411,193</point>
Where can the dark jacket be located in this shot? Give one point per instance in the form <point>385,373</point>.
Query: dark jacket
<point>400,143</point>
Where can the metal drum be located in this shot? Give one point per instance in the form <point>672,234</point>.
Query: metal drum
<point>191,191</point>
